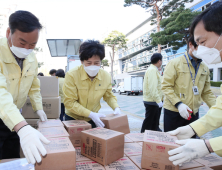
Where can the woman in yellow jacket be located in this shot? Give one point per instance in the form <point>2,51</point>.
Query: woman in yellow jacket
<point>207,30</point>
<point>85,85</point>
<point>61,74</point>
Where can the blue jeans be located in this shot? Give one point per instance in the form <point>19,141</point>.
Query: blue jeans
<point>70,118</point>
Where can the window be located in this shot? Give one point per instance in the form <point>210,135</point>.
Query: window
<point>220,73</point>
<point>212,74</point>
<point>206,6</point>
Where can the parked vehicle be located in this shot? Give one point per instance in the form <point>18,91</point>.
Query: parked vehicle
<point>114,89</point>
<point>72,62</point>
<point>131,85</point>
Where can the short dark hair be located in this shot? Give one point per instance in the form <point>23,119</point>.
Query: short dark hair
<point>90,48</point>
<point>60,73</point>
<point>24,21</point>
<point>40,74</point>
<point>191,39</point>
<point>211,17</point>
<point>52,71</point>
<point>156,57</point>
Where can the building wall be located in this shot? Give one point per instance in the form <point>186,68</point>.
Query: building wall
<point>133,64</point>
<point>5,11</point>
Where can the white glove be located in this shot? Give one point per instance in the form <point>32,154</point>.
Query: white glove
<point>183,111</point>
<point>96,119</point>
<point>191,149</point>
<point>185,132</point>
<point>42,115</point>
<point>160,104</point>
<point>117,111</point>
<point>31,145</point>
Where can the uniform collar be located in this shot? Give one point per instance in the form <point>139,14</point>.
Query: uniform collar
<point>153,66</point>
<point>9,58</point>
<point>85,76</point>
<point>184,59</point>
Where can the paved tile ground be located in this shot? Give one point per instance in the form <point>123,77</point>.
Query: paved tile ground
<point>134,108</point>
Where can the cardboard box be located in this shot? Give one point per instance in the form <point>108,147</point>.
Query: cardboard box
<point>9,160</point>
<point>140,143</point>
<point>74,128</point>
<point>190,165</point>
<point>79,156</point>
<point>54,132</point>
<point>155,150</point>
<point>50,123</point>
<point>117,122</point>
<point>135,137</point>
<point>89,165</point>
<point>127,140</point>
<point>102,145</point>
<point>202,168</point>
<point>122,164</point>
<point>49,86</point>
<point>136,160</point>
<point>131,149</point>
<point>51,106</point>
<point>32,122</point>
<point>211,161</point>
<point>60,155</point>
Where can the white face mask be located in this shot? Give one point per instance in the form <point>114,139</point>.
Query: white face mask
<point>195,54</point>
<point>20,52</point>
<point>209,55</point>
<point>92,71</point>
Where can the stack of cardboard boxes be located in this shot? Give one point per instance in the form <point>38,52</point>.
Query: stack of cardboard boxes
<point>60,152</point>
<point>106,149</point>
<point>74,128</point>
<point>51,101</point>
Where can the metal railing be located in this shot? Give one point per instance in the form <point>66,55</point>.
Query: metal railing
<point>138,68</point>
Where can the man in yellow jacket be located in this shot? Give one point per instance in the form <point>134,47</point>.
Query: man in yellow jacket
<point>18,79</point>
<point>186,82</point>
<point>152,95</point>
<point>207,30</point>
<point>85,85</point>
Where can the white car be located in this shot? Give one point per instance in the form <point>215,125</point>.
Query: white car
<point>114,89</point>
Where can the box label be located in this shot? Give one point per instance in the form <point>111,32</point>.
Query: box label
<point>149,147</point>
<point>102,132</point>
<point>53,131</point>
<point>95,151</point>
<point>122,164</point>
<point>159,137</point>
<point>58,145</point>
<point>136,137</point>
<point>160,149</point>
<point>131,149</point>
<point>79,156</point>
<point>88,165</point>
<point>78,123</point>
